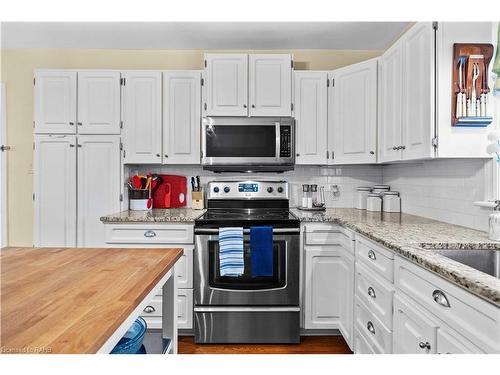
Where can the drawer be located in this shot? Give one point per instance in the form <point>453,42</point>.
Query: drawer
<point>328,235</point>
<point>361,344</point>
<point>477,320</point>
<point>149,234</point>
<point>372,328</point>
<point>185,309</point>
<point>376,258</point>
<point>153,308</point>
<point>375,292</point>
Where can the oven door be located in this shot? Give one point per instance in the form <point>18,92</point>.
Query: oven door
<point>280,289</point>
<point>242,141</point>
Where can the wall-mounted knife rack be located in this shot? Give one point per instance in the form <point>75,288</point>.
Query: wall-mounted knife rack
<point>469,59</point>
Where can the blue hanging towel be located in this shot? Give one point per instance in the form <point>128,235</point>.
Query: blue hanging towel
<point>261,251</point>
<point>231,251</point>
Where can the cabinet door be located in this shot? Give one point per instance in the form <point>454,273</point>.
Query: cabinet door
<point>270,79</point>
<point>449,342</point>
<point>226,84</point>
<point>418,91</point>
<point>310,117</point>
<point>414,332</point>
<point>353,113</point>
<point>55,190</point>
<point>55,102</point>
<point>181,117</point>
<point>142,117</point>
<point>346,301</point>
<point>390,104</point>
<point>99,185</point>
<point>322,294</point>
<point>98,102</point>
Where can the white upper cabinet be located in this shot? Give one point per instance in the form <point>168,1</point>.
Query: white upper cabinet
<point>270,78</point>
<point>55,102</point>
<point>310,100</point>
<point>418,92</point>
<point>226,84</point>
<point>142,111</point>
<point>353,113</point>
<point>99,186</point>
<point>181,117</point>
<point>390,104</point>
<point>55,190</point>
<point>98,102</point>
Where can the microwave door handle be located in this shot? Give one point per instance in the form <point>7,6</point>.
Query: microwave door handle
<point>278,140</point>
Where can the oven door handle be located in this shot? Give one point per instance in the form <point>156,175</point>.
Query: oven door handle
<point>245,231</point>
<point>246,308</point>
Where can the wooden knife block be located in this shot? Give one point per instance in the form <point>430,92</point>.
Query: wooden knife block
<point>197,201</point>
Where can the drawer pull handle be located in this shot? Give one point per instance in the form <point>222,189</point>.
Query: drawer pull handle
<point>371,292</point>
<point>149,309</point>
<point>370,327</point>
<point>424,345</point>
<point>440,298</point>
<point>149,234</point>
<point>372,255</point>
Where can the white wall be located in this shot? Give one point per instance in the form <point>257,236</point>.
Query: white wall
<point>443,189</point>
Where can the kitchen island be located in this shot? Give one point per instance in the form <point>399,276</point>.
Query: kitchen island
<point>66,300</point>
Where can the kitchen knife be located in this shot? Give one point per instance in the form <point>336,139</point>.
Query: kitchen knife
<point>198,186</point>
<point>193,188</point>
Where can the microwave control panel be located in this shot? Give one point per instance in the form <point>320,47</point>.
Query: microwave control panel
<point>285,141</point>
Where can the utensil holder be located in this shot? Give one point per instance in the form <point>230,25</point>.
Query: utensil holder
<point>138,199</point>
<point>197,201</point>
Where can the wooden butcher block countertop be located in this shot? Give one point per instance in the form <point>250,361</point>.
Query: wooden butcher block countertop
<point>58,300</point>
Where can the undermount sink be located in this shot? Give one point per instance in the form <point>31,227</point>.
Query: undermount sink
<point>487,261</point>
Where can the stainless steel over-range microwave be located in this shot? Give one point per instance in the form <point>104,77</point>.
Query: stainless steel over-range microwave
<point>243,144</point>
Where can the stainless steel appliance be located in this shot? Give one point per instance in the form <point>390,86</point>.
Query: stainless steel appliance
<point>246,309</point>
<point>242,144</point>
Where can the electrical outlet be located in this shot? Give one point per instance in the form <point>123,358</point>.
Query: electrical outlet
<point>335,192</point>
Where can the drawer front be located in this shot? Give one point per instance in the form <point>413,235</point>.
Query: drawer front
<point>376,293</point>
<point>184,269</point>
<point>153,308</point>
<point>375,258</point>
<point>372,328</point>
<point>149,234</point>
<point>361,344</point>
<point>328,235</point>
<point>476,319</point>
<point>185,309</point>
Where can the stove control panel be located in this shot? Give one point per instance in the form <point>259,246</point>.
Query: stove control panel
<point>248,190</point>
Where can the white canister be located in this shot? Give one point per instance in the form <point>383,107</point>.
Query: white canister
<point>494,230</point>
<point>391,201</point>
<point>380,188</point>
<point>361,196</point>
<point>374,202</point>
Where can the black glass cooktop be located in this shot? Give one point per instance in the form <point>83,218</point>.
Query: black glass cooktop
<point>248,217</point>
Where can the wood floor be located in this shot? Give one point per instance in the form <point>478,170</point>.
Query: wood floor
<point>308,345</point>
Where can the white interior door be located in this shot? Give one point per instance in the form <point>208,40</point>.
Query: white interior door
<point>99,185</point>
<point>55,190</point>
<point>142,117</point>
<point>226,84</point>
<point>3,168</point>
<point>390,104</point>
<point>270,79</point>
<point>353,115</point>
<point>310,117</point>
<point>55,102</point>
<point>98,102</point>
<point>181,117</point>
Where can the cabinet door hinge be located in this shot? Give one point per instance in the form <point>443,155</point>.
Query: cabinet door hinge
<point>202,81</point>
<point>33,196</point>
<point>121,146</point>
<point>435,142</point>
<point>121,197</point>
<point>333,82</point>
<point>121,124</point>
<point>327,82</point>
<point>333,155</point>
<point>34,81</point>
<point>205,106</point>
<point>122,81</point>
<point>291,106</point>
<point>33,145</point>
<point>205,63</point>
<point>291,63</point>
<point>435,25</point>
<point>327,154</point>
<point>124,153</point>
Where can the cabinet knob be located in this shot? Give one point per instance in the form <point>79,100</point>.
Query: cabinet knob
<point>166,155</point>
<point>244,105</point>
<point>440,298</point>
<point>371,292</point>
<point>79,123</point>
<point>149,234</point>
<point>297,154</point>
<point>370,327</point>
<point>402,147</point>
<point>158,155</point>
<point>372,152</point>
<point>372,255</point>
<point>424,345</point>
<point>72,123</point>
<point>253,105</point>
<point>149,309</point>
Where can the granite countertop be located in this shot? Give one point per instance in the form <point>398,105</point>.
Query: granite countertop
<point>156,215</point>
<point>416,238</point>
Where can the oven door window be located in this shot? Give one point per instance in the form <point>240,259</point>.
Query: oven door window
<point>241,141</point>
<point>246,281</point>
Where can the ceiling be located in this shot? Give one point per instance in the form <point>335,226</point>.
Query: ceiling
<point>202,35</point>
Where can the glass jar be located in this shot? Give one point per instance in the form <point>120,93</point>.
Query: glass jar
<point>305,195</point>
<point>391,201</point>
<point>361,196</point>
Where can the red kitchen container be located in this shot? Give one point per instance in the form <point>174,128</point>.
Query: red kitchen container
<point>171,192</point>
